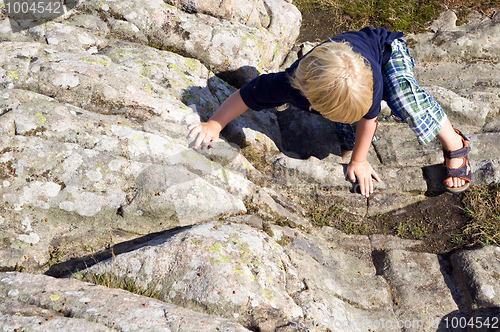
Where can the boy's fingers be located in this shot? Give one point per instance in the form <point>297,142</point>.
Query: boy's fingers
<point>350,174</point>
<point>365,188</point>
<point>199,140</point>
<point>376,177</point>
<point>194,130</point>
<point>368,187</point>
<point>361,187</point>
<point>206,141</point>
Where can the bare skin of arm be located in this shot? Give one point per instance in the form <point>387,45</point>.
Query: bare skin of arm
<point>359,168</point>
<point>209,131</point>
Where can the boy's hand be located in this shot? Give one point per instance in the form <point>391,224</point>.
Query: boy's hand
<point>207,132</point>
<point>363,172</point>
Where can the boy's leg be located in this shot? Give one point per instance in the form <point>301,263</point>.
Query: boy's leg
<point>413,105</point>
<point>451,141</point>
<point>405,98</point>
<point>346,134</point>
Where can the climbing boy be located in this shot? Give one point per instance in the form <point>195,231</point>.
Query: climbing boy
<point>344,79</point>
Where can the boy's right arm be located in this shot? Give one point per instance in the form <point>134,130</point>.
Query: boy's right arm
<point>359,168</point>
<point>209,131</point>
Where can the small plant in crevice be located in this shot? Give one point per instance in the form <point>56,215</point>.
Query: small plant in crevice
<point>400,230</point>
<point>457,240</point>
<point>322,218</point>
<point>111,281</point>
<point>351,228</point>
<point>418,232</point>
<point>55,256</point>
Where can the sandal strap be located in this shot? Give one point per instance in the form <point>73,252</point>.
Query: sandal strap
<point>464,171</point>
<point>460,152</point>
<point>458,173</point>
<point>457,153</point>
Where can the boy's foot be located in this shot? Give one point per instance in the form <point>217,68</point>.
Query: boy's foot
<point>452,182</point>
<point>457,166</point>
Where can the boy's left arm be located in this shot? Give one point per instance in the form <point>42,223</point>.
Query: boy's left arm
<point>359,168</point>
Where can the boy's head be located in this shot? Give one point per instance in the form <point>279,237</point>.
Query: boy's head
<point>337,82</point>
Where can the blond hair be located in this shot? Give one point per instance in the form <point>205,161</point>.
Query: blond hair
<point>337,82</point>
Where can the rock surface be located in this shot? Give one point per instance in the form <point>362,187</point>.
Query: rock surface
<point>41,303</point>
<point>95,164</point>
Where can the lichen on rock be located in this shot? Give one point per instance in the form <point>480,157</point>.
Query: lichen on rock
<point>97,176</point>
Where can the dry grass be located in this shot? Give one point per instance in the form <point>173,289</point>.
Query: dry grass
<point>408,16</point>
<point>111,281</point>
<point>482,205</point>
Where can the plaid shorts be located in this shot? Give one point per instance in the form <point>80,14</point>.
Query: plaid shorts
<point>408,102</point>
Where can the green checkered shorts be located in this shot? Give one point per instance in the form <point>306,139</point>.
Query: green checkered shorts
<point>407,101</point>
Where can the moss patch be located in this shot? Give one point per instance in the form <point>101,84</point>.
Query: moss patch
<point>322,19</point>
<point>35,131</point>
<point>100,62</point>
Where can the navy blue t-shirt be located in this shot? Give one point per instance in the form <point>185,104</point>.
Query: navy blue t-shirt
<point>272,90</point>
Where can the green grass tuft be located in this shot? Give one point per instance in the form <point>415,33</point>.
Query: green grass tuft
<point>111,281</point>
<point>482,205</point>
<point>352,228</point>
<point>400,230</point>
<point>408,16</point>
<point>326,218</point>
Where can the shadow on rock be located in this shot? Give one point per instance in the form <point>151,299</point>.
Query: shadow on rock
<point>240,76</point>
<point>308,134</point>
<point>72,267</point>
<point>434,176</point>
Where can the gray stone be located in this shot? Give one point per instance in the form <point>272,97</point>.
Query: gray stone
<point>492,126</point>
<point>49,304</point>
<point>477,272</point>
<point>483,146</point>
<point>385,202</point>
<point>308,134</point>
<point>459,109</point>
<point>342,287</point>
<point>220,268</point>
<point>128,31</point>
<point>389,242</point>
<point>34,323</point>
<point>254,36</point>
<point>90,22</point>
<point>445,22</point>
<point>94,160</point>
<point>70,167</point>
<point>397,146</point>
<point>462,59</point>
<point>420,289</point>
<point>186,79</point>
<point>260,130</point>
